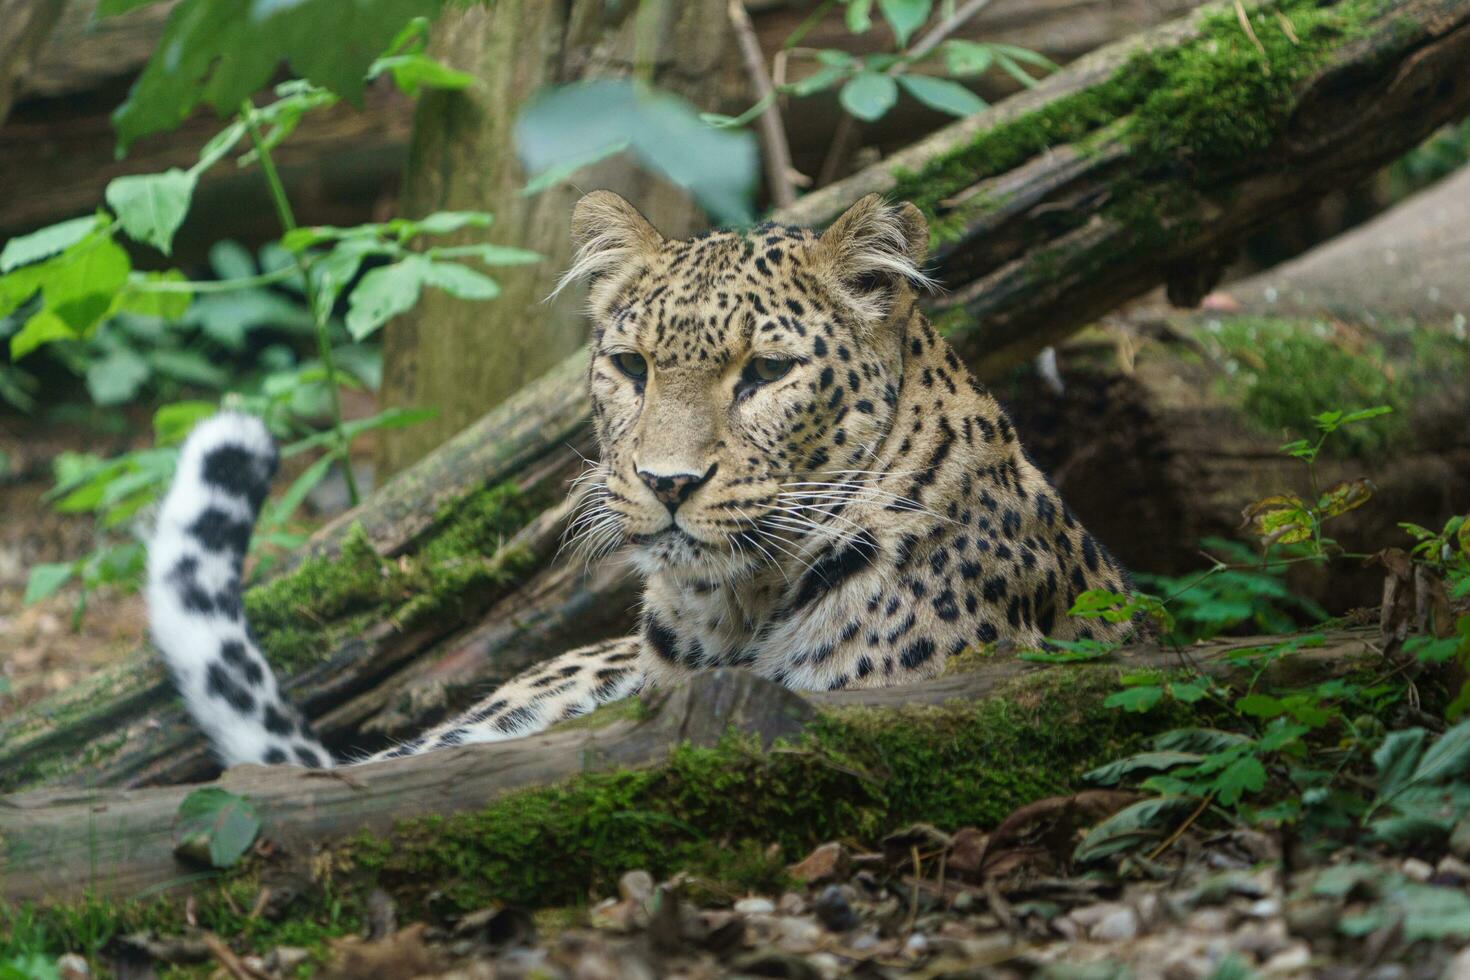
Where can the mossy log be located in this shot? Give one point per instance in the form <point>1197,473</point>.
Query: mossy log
<point>1172,423</point>
<point>1020,731</point>
<point>1111,176</point>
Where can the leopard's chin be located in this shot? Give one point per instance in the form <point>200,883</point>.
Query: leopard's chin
<point>675,551</point>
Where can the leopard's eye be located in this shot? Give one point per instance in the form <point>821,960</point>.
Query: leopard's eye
<point>763,370</point>
<point>633,365</point>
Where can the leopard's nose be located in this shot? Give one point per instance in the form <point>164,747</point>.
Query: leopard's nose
<point>675,488</point>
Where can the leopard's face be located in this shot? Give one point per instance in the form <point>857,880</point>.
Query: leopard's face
<point>739,381</point>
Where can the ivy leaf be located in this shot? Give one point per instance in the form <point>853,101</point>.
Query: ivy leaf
<point>905,17</point>
<point>46,242</point>
<point>869,95</point>
<point>46,579</point>
<point>1244,775</point>
<point>943,94</point>
<point>151,207</point>
<point>222,53</point>
<point>215,827</point>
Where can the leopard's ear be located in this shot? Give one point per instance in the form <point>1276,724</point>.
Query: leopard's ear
<point>875,247</point>
<point>607,232</point>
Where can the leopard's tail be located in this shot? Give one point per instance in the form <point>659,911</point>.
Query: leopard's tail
<point>195,611</point>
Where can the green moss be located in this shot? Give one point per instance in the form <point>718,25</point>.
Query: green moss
<point>1284,371</point>
<point>1189,112</point>
<point>734,815</point>
<point>302,616</point>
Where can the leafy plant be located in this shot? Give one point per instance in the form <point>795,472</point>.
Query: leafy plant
<point>63,284</point>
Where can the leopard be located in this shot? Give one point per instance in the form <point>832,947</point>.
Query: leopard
<point>810,483</point>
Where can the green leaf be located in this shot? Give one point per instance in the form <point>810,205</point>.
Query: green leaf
<point>967,57</point>
<point>579,122</point>
<point>490,254</point>
<point>222,53</point>
<point>1137,699</point>
<point>1199,740</point>
<point>135,297</point>
<point>443,222</point>
<point>215,827</point>
<point>172,423</point>
<point>1188,692</point>
<point>567,168</point>
<point>111,8</point>
<point>820,80</point>
<point>1113,772</point>
<point>1128,828</point>
<point>869,95</point>
<point>151,207</point>
<point>1448,757</point>
<point>382,294</point>
<point>905,17</point>
<point>1364,413</point>
<point>79,285</point>
<point>459,280</point>
<point>116,377</point>
<point>46,242</point>
<point>1244,775</point>
<point>43,327</point>
<point>1260,706</point>
<point>414,72</point>
<point>45,580</point>
<point>942,94</point>
<point>1431,912</point>
<point>859,15</point>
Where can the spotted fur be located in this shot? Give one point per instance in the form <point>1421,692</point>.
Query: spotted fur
<point>848,518</point>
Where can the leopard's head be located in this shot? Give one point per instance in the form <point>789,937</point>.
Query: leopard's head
<point>740,380</point>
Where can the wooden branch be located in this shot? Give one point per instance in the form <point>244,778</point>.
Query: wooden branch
<point>775,151</point>
<point>1035,251</point>
<point>59,844</point>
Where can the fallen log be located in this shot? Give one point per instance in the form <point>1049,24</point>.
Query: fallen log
<point>60,844</point>
<point>1026,201</point>
<point>57,163</point>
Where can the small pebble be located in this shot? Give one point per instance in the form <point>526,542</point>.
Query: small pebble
<point>755,906</point>
<point>1288,961</point>
<point>73,967</point>
<point>1088,916</point>
<point>1117,926</point>
<point>791,904</point>
<point>963,902</point>
<point>834,911</point>
<point>1417,869</point>
<point>916,945</point>
<point>1264,908</point>
<point>1212,920</point>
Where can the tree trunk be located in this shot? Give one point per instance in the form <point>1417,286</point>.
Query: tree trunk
<point>465,358</point>
<point>1033,245</point>
<point>28,24</point>
<point>60,845</point>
